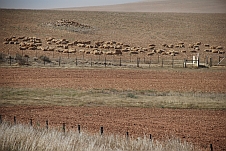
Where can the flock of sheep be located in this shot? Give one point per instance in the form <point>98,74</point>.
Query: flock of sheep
<point>105,47</point>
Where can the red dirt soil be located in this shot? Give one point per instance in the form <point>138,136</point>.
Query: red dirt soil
<point>160,80</point>
<point>201,127</point>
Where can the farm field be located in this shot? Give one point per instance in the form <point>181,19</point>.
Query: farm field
<point>120,100</point>
<point>188,103</point>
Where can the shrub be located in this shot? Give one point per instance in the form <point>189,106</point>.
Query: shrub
<point>45,58</point>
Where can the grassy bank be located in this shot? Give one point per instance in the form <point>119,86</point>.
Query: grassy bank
<point>112,97</point>
<point>24,138</point>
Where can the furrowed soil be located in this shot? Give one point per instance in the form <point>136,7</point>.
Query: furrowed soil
<point>201,127</point>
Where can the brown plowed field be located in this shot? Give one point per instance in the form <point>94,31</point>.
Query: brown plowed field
<point>159,80</point>
<point>201,127</point>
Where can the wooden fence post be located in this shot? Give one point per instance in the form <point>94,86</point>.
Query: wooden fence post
<point>138,61</point>
<point>210,62</point>
<point>14,118</point>
<point>64,127</point>
<point>101,130</point>
<point>185,65</point>
<point>78,128</point>
<point>127,135</point>
<point>47,124</point>
<point>91,63</point>
<point>105,62</point>
<point>120,61</point>
<point>150,137</point>
<point>211,147</point>
<point>0,119</point>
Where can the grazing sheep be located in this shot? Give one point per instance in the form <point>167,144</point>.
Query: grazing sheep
<point>150,53</point>
<point>215,51</point>
<point>22,48</point>
<point>219,47</point>
<point>221,52</point>
<point>193,51</point>
<point>134,52</point>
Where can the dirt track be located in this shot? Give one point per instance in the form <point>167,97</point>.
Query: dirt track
<point>201,127</point>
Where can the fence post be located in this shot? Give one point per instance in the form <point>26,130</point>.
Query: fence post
<point>78,128</point>
<point>0,119</point>
<point>120,61</point>
<point>64,127</point>
<point>138,61</point>
<point>105,63</point>
<point>127,135</point>
<point>150,137</point>
<point>210,62</point>
<point>101,130</point>
<point>31,122</point>
<point>185,61</point>
<point>10,62</point>
<point>172,61</point>
<point>91,63</point>
<point>47,124</point>
<point>211,147</point>
<point>14,118</point>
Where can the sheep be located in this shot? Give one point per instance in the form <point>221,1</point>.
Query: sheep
<point>219,47</point>
<point>215,51</point>
<point>134,52</point>
<point>207,50</point>
<point>198,43</point>
<point>118,47</point>
<point>150,53</point>
<point>221,52</point>
<point>183,51</point>
<point>72,51</point>
<point>22,48</point>
<point>206,45</point>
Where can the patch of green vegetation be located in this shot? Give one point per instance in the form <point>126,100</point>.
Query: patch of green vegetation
<point>111,97</point>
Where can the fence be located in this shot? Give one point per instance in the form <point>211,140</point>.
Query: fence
<point>84,60</point>
<point>78,128</point>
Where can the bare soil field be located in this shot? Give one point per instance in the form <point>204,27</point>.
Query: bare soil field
<point>200,127</point>
<point>119,79</point>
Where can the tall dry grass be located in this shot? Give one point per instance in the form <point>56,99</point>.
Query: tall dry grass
<point>26,138</point>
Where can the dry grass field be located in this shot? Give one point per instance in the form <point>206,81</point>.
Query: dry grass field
<point>188,103</point>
